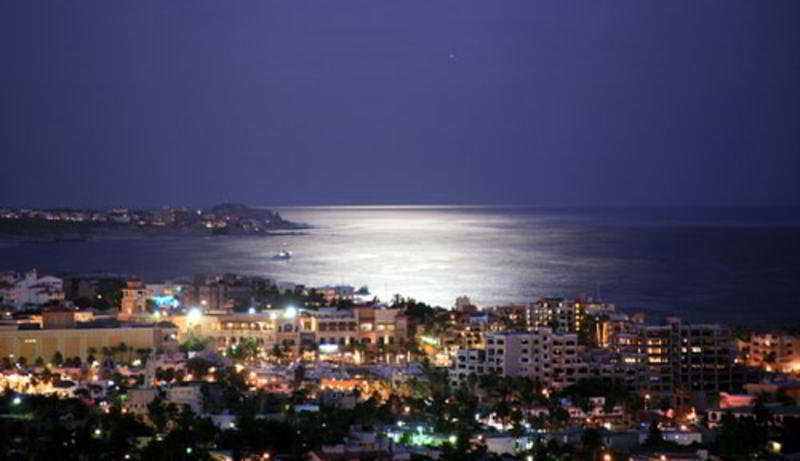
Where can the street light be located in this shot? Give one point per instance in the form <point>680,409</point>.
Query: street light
<point>193,315</point>
<point>16,400</point>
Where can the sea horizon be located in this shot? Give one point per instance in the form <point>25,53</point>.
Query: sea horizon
<point>700,263</point>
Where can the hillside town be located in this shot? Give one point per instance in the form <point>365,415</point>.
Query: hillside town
<point>235,367</point>
<point>76,224</point>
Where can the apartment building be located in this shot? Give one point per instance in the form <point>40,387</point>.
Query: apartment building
<point>539,354</point>
<point>676,359</point>
<point>569,316</point>
<point>468,362</point>
<point>771,352</point>
<point>556,313</point>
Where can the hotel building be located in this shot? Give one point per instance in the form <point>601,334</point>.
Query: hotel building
<point>299,329</point>
<point>61,333</point>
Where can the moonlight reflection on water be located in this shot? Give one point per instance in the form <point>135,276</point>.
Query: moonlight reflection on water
<point>703,264</point>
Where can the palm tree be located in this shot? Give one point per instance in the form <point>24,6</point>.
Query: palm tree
<point>57,359</point>
<point>144,354</point>
<point>121,349</point>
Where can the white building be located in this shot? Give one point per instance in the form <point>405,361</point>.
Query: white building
<point>539,354</point>
<point>32,290</point>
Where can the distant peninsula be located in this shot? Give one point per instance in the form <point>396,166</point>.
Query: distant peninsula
<point>70,224</point>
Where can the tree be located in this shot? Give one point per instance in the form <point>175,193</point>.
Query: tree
<point>246,349</point>
<point>277,352</point>
<point>122,349</point>
<point>299,375</point>
<point>144,354</point>
<point>39,361</point>
<point>194,344</point>
<point>157,414</point>
<point>654,437</point>
<point>57,359</point>
<point>198,367</point>
<point>591,441</point>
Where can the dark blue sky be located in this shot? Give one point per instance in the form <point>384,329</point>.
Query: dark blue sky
<point>534,102</point>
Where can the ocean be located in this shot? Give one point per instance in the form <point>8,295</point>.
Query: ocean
<point>734,265</point>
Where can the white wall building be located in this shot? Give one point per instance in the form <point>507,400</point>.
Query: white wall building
<point>539,354</point>
<point>32,290</point>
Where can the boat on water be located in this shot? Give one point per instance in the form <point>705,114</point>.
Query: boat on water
<point>283,255</point>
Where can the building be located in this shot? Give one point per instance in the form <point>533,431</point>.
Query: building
<point>72,339</point>
<point>137,400</point>
<point>569,316</point>
<point>190,396</point>
<point>217,293</point>
<point>381,326</point>
<point>331,294</point>
<point>778,413</point>
<point>134,298</point>
<point>540,354</point>
<point>788,388</point>
<point>335,328</point>
<point>676,359</point>
<point>284,328</point>
<point>467,363</point>
<point>296,330</point>
<point>31,290</point>
<point>771,352</point>
<point>555,313</point>
<point>464,304</point>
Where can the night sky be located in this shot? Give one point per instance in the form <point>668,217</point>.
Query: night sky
<point>590,103</point>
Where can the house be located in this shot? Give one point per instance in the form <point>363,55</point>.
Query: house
<point>190,396</point>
